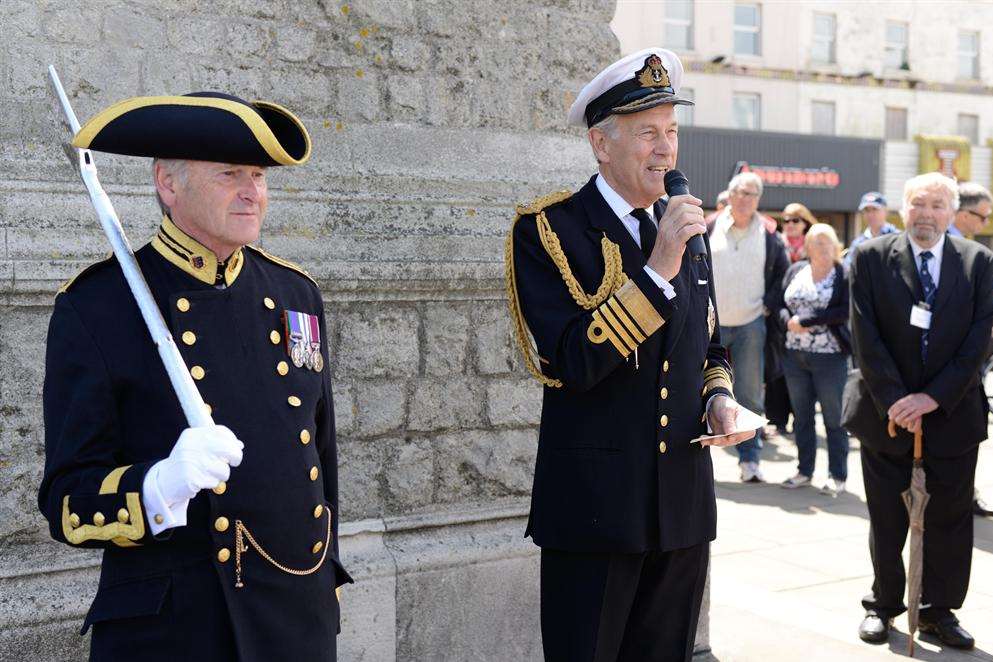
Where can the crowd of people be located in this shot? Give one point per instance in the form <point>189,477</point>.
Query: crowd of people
<point>783,304</point>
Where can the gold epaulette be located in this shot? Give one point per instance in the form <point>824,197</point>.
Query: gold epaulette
<point>613,276</point>
<point>66,285</point>
<point>284,263</point>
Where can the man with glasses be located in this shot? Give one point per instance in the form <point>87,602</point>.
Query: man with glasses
<point>975,206</point>
<point>748,263</point>
<point>872,208</point>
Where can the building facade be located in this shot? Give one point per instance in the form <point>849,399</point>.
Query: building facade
<point>915,76</point>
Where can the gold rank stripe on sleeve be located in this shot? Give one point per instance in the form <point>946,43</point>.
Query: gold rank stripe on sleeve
<point>626,319</point>
<point>121,533</point>
<point>716,377</point>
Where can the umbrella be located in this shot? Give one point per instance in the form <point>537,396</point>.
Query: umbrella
<point>915,498</point>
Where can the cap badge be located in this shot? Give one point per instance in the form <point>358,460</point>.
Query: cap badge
<point>653,74</point>
<point>198,262</point>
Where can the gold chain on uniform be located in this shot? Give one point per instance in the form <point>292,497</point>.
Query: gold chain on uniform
<point>613,277</point>
<point>242,532</point>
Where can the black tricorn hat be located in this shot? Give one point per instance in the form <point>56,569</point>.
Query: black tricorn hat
<point>202,126</point>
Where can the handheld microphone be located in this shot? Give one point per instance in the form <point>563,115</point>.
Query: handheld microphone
<point>677,184</point>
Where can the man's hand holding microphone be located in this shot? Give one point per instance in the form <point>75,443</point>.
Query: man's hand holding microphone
<point>681,225</point>
<point>201,459</point>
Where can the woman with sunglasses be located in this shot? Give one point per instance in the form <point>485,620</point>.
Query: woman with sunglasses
<point>797,219</point>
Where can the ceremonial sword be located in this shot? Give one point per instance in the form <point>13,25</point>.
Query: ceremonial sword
<point>182,382</point>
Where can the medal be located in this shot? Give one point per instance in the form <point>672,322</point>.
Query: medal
<point>318,362</point>
<point>303,340</point>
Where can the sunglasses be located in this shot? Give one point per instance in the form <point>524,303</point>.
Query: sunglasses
<point>978,215</point>
<point>793,220</point>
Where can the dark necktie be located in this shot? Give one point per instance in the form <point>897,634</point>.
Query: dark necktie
<point>646,231</point>
<point>927,283</point>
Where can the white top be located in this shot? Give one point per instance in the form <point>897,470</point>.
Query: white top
<point>934,264</point>
<point>739,269</point>
<point>804,298</point>
<point>623,211</point>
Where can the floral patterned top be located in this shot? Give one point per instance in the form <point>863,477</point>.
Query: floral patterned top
<point>805,298</point>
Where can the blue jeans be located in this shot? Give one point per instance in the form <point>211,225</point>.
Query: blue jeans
<point>813,377</point>
<point>746,344</point>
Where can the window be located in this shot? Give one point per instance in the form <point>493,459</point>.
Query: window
<point>969,127</point>
<point>747,29</point>
<point>825,28</point>
<point>679,25</point>
<point>684,114</point>
<point>822,117</point>
<point>896,45</point>
<point>747,111</point>
<point>969,55</point>
<point>896,123</point>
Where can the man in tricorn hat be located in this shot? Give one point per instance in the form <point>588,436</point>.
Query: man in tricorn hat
<point>220,543</point>
<point>627,345</point>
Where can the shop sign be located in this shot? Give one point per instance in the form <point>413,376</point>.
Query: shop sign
<point>793,177</point>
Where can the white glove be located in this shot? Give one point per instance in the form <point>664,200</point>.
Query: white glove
<point>201,459</point>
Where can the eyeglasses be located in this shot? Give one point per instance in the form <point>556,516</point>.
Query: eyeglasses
<point>745,194</point>
<point>792,220</point>
<point>978,215</point>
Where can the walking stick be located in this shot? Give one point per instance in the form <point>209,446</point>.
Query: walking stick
<point>182,383</point>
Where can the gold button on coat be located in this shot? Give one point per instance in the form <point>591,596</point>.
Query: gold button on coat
<point>294,401</point>
<point>223,554</point>
<point>318,511</point>
<point>274,337</point>
<point>664,421</point>
<point>210,410</point>
<point>221,524</point>
<point>189,337</point>
<point>269,303</point>
<point>98,518</point>
<point>198,372</point>
<point>662,447</point>
<point>282,368</point>
<point>313,473</point>
<point>74,520</point>
<point>123,516</point>
<point>183,304</point>
<point>664,393</point>
<point>159,519</point>
<point>305,437</point>
<point>318,546</point>
<point>665,366</point>
<point>221,488</point>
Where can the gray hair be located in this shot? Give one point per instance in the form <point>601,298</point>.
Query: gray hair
<point>176,168</point>
<point>971,194</point>
<point>743,178</point>
<point>609,127</point>
<point>723,197</point>
<point>930,181</point>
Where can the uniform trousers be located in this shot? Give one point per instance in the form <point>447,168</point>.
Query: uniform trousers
<point>600,607</point>
<point>947,531</point>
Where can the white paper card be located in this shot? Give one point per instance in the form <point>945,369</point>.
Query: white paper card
<point>746,420</point>
<point>920,317</point>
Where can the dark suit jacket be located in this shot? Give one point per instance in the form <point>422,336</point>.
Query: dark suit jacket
<point>601,482</point>
<point>834,315</point>
<point>885,285</point>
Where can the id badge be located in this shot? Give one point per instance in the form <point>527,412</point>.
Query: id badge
<point>920,316</point>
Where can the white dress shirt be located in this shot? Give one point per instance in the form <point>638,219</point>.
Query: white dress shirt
<point>934,264</point>
<point>623,211</point>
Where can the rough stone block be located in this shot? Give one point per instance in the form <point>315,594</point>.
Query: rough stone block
<point>295,43</point>
<point>446,339</point>
<point>514,401</point>
<point>360,477</point>
<point>195,35</point>
<point>381,406</point>
<point>377,341</point>
<point>476,464</point>
<point>345,409</point>
<point>444,404</point>
<point>246,41</point>
<point>358,96</point>
<point>125,29</point>
<point>410,474</point>
<point>496,350</point>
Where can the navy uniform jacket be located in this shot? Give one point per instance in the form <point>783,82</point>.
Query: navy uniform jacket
<point>885,286</point>
<point>110,414</point>
<point>616,471</point>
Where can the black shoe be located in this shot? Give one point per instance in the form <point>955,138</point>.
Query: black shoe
<point>949,632</point>
<point>981,508</point>
<point>875,629</point>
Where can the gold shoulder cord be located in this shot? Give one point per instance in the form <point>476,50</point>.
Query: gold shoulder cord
<point>242,533</point>
<point>613,277</point>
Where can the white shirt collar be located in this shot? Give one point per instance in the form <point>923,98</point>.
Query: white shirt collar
<point>936,250</point>
<point>618,204</point>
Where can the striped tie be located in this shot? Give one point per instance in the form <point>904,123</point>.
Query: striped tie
<point>927,282</point>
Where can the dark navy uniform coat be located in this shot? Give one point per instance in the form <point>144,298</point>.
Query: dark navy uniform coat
<point>110,414</point>
<point>616,471</point>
